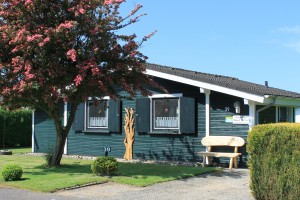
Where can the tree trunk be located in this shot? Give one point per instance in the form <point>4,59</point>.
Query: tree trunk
<point>61,134</point>
<point>58,150</point>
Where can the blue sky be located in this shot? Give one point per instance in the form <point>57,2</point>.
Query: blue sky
<point>253,40</point>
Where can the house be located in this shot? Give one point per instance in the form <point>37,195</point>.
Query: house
<point>171,126</point>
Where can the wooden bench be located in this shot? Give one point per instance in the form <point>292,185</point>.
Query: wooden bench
<point>231,141</point>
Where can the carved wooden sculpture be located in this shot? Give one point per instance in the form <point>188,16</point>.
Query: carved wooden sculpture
<point>129,131</point>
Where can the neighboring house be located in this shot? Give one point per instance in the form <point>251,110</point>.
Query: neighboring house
<point>171,126</point>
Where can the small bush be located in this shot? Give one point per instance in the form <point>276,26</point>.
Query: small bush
<point>105,166</point>
<point>274,161</point>
<point>12,172</point>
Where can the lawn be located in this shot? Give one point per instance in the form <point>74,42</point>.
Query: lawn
<point>75,172</point>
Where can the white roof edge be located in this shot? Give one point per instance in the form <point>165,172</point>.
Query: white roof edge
<point>204,85</point>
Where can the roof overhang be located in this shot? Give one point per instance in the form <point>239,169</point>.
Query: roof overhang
<point>208,86</point>
<point>281,101</point>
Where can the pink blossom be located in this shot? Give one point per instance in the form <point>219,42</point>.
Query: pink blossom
<point>15,49</point>
<point>71,9</point>
<point>47,39</point>
<point>108,1</point>
<point>27,73</point>
<point>16,70</point>
<point>82,11</point>
<point>113,1</point>
<point>30,76</point>
<point>95,70</point>
<point>28,2</point>
<point>6,91</point>
<point>22,85</point>
<point>71,54</point>
<point>149,35</point>
<point>78,80</point>
<point>65,25</point>
<point>132,54</point>
<point>33,37</point>
<point>136,9</point>
<point>16,61</point>
<point>18,36</point>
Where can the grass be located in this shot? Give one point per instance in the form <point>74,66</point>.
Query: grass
<point>139,174</point>
<point>20,150</point>
<point>75,172</point>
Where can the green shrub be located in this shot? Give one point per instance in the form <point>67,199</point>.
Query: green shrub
<point>17,128</point>
<point>105,166</point>
<point>274,161</point>
<point>12,172</point>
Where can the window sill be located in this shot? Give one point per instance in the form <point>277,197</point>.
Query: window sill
<point>164,132</point>
<point>96,131</point>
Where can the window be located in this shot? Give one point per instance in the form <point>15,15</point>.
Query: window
<point>97,114</point>
<point>285,114</point>
<point>104,117</point>
<point>165,113</point>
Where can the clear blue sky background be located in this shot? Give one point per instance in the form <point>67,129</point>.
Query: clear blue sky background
<point>253,40</point>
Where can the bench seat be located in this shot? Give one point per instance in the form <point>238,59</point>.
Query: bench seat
<point>231,141</point>
<point>220,154</point>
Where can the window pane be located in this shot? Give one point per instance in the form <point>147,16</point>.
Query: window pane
<point>97,114</point>
<point>165,113</point>
<point>284,114</point>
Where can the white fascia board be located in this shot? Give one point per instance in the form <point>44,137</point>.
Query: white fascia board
<point>165,95</point>
<point>208,86</point>
<point>99,98</point>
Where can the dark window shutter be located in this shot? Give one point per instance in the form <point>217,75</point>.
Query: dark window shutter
<point>143,115</point>
<point>78,124</point>
<point>114,120</point>
<point>187,115</point>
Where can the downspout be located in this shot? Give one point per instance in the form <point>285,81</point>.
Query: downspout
<point>264,108</point>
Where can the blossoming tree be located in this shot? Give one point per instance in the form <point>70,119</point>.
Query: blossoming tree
<point>59,51</point>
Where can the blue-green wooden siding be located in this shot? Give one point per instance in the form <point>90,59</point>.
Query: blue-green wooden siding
<point>182,147</point>
<point>221,107</point>
<point>44,132</point>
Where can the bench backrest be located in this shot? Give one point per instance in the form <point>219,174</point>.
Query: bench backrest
<point>231,141</point>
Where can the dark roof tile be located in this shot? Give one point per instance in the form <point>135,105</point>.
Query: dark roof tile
<point>224,81</point>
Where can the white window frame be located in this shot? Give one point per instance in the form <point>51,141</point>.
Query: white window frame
<point>290,111</point>
<point>86,125</point>
<point>163,96</point>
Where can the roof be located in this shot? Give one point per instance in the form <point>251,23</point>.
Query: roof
<point>224,81</point>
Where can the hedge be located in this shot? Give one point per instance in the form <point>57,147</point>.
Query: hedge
<point>274,161</point>
<point>17,128</point>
